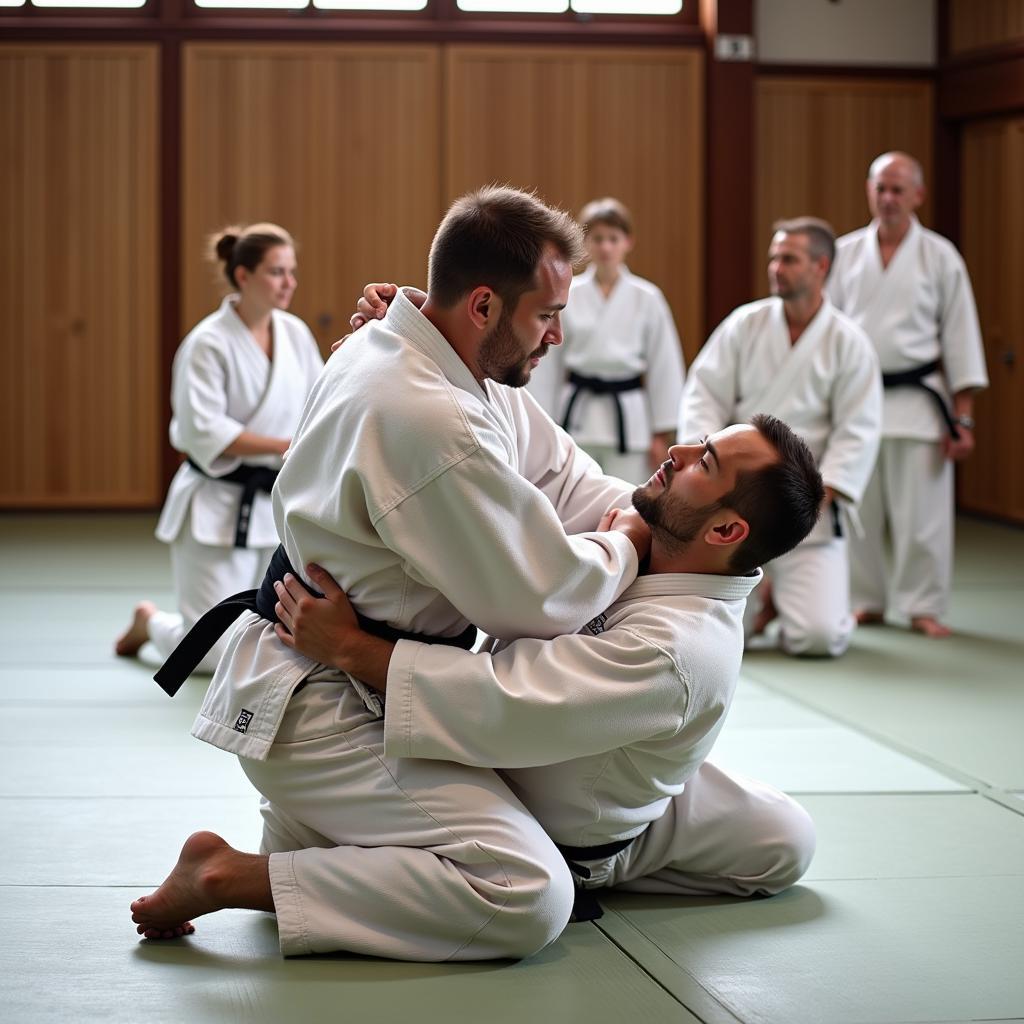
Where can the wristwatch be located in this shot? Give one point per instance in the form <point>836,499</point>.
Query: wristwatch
<point>965,421</point>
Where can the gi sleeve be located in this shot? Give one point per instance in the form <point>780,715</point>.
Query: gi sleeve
<point>665,371</point>
<point>201,426</point>
<point>565,474</point>
<point>963,353</point>
<point>856,414</point>
<point>492,543</point>
<point>710,395</point>
<point>534,702</point>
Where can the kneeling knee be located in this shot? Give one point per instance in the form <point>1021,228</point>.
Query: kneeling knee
<point>817,640</point>
<point>790,840</point>
<point>536,912</point>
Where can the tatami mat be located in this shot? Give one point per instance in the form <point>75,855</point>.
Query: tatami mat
<point>907,753</point>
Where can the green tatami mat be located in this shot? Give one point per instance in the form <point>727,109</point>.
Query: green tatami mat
<point>881,837</point>
<point>190,769</point>
<point>68,550</point>
<point>957,701</point>
<point>843,952</point>
<point>70,955</point>
<point>828,759</point>
<point>122,681</point>
<point>115,841</point>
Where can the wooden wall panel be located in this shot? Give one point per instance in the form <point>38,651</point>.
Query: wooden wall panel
<point>79,398</point>
<point>816,137</point>
<point>577,124</point>
<point>981,24</point>
<point>339,144</point>
<point>992,231</point>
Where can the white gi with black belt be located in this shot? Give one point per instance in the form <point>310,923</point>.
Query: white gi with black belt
<point>433,500</point>
<point>918,310</point>
<point>826,386</point>
<point>222,384</point>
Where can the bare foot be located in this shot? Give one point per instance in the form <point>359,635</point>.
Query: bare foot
<point>188,891</point>
<point>865,618</point>
<point>767,612</point>
<point>129,642</point>
<point>929,626</point>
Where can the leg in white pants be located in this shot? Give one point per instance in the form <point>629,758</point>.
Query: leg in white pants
<point>920,510</point>
<point>403,858</point>
<point>869,570</point>
<point>203,575</point>
<point>811,591</point>
<point>723,835</point>
<point>629,466</point>
<point>911,494</point>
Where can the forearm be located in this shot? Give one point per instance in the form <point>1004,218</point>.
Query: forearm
<point>367,658</point>
<point>963,403</point>
<point>248,443</point>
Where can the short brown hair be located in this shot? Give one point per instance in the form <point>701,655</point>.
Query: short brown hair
<point>821,239</point>
<point>495,237</point>
<point>238,246</point>
<point>780,502</point>
<point>609,212</point>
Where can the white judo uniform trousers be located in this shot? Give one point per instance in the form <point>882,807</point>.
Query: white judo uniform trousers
<point>605,735</point>
<point>826,387</point>
<point>432,500</point>
<point>917,310</point>
<point>630,333</point>
<point>221,384</point>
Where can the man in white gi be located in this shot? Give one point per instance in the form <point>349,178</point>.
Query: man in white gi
<point>615,382</point>
<point>908,288</point>
<point>635,701</point>
<point>435,494</point>
<point>795,356</point>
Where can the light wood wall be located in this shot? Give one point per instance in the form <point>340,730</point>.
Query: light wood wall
<point>992,233</point>
<point>341,145</point>
<point>577,124</point>
<point>816,137</point>
<point>978,24</point>
<point>79,392</point>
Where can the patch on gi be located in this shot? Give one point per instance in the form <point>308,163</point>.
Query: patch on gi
<point>242,725</point>
<point>596,625</point>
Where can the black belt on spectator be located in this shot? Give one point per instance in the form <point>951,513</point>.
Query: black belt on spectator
<point>586,906</point>
<point>196,644</point>
<point>915,379</point>
<point>251,479</point>
<point>596,386</point>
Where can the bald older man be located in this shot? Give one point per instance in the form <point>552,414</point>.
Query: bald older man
<point>908,288</point>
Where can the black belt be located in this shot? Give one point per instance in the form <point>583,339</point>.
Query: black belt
<point>195,645</point>
<point>586,906</point>
<point>596,386</point>
<point>915,379</point>
<point>252,479</point>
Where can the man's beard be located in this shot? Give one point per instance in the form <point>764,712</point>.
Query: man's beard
<point>675,523</point>
<point>501,358</point>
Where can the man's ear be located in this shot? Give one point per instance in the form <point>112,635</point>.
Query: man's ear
<point>726,529</point>
<point>484,307</point>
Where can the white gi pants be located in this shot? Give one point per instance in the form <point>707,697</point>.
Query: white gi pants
<point>911,494</point>
<point>404,858</point>
<point>723,835</point>
<point>203,575</point>
<point>632,467</point>
<point>811,593</point>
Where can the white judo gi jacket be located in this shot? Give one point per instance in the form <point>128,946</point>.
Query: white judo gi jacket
<point>434,501</point>
<point>917,310</point>
<point>826,387</point>
<point>597,731</point>
<point>222,383</point>
<point>629,333</point>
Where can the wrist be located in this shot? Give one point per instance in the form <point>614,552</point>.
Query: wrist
<point>964,420</point>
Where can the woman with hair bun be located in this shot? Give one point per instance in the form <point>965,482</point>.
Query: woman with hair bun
<point>239,382</point>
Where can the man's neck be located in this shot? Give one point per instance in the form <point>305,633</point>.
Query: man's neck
<point>445,322</point>
<point>800,312</point>
<point>890,235</point>
<point>692,559</point>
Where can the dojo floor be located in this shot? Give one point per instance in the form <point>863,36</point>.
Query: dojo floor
<point>909,753</point>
